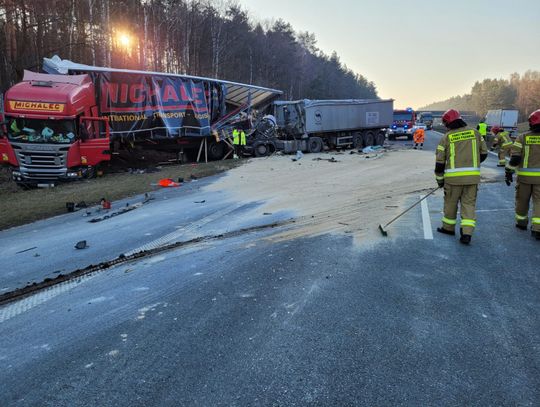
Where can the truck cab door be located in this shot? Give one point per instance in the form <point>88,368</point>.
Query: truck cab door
<point>94,140</point>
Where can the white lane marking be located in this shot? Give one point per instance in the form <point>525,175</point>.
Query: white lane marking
<point>426,221</point>
<point>18,307</point>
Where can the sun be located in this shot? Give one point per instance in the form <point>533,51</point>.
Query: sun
<point>124,39</point>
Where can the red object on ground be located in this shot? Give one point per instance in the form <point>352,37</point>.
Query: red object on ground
<point>168,183</point>
<point>105,204</point>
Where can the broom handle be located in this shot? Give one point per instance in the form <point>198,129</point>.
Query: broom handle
<point>408,209</point>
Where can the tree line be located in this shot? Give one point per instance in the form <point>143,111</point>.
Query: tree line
<point>520,92</point>
<point>202,38</point>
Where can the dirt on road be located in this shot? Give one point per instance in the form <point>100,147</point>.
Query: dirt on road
<point>353,194</point>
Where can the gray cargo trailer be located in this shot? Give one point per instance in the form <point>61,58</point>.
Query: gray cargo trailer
<point>308,125</point>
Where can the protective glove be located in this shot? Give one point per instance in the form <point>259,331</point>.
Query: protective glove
<point>440,183</point>
<point>509,176</point>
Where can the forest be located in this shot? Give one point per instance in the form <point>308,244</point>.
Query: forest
<point>202,38</point>
<point>520,92</point>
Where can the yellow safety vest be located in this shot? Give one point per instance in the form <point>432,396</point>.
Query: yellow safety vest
<point>482,129</point>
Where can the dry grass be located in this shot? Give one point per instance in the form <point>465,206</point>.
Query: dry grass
<point>18,206</point>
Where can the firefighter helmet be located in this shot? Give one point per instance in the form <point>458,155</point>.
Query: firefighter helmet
<point>496,129</point>
<point>534,118</point>
<point>450,116</point>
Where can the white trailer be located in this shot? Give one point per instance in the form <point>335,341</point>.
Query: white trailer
<point>506,119</point>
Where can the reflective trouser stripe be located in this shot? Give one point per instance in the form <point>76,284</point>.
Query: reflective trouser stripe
<point>519,217</point>
<point>449,221</point>
<point>468,222</point>
<point>529,172</point>
<point>535,221</point>
<point>461,174</point>
<point>518,145</point>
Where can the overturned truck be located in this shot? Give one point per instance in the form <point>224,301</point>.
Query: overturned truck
<point>312,125</point>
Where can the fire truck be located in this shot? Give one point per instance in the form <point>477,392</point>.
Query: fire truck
<point>402,125</point>
<point>63,124</point>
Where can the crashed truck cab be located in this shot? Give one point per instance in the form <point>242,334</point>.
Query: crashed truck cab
<point>51,130</point>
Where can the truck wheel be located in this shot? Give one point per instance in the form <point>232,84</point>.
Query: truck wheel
<point>409,136</point>
<point>261,149</point>
<point>369,138</point>
<point>357,140</point>
<point>391,137</point>
<point>315,145</point>
<point>216,151</point>
<point>379,139</point>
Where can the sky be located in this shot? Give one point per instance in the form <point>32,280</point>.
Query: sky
<point>418,51</point>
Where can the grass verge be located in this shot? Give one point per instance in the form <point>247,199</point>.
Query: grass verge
<point>18,206</point>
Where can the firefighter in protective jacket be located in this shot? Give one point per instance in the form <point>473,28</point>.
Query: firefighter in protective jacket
<point>503,143</point>
<point>457,169</point>
<point>526,160</point>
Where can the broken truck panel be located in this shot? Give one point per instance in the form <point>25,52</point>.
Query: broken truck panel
<point>62,124</point>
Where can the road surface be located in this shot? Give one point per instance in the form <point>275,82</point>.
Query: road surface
<point>413,319</point>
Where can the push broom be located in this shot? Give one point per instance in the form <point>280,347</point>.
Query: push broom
<point>383,228</point>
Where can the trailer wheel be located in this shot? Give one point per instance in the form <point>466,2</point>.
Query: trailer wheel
<point>261,149</point>
<point>216,151</point>
<point>379,139</point>
<point>369,138</point>
<point>357,140</point>
<point>315,145</point>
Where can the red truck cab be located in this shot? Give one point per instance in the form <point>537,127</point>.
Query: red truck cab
<point>51,129</point>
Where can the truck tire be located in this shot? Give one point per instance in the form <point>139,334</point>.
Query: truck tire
<point>379,139</point>
<point>314,145</point>
<point>216,151</point>
<point>369,138</point>
<point>357,140</point>
<point>261,149</point>
<point>409,136</point>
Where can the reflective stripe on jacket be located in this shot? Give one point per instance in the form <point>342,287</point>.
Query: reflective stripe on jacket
<point>459,150</point>
<point>527,146</point>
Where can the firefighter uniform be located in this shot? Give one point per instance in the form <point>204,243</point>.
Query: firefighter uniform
<point>458,157</point>
<point>525,160</point>
<point>418,137</point>
<point>503,144</point>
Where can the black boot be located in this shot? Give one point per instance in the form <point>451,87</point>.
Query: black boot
<point>522,227</point>
<point>535,234</point>
<point>465,239</point>
<point>446,232</point>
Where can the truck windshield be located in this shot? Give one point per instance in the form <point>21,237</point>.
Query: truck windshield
<point>41,131</point>
<point>403,117</point>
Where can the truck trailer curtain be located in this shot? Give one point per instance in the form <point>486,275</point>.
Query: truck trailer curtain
<point>167,107</point>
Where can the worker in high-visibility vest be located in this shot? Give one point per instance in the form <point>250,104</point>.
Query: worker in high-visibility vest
<point>482,129</point>
<point>239,141</point>
<point>526,160</point>
<point>418,137</point>
<point>457,169</point>
<point>502,143</point>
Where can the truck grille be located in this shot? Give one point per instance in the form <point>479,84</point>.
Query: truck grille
<point>42,165</point>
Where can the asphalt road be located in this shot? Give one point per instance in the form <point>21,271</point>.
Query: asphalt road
<point>405,320</point>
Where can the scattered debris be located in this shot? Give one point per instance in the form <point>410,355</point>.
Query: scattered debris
<point>330,160</point>
<point>180,179</point>
<point>193,176</point>
<point>127,208</point>
<point>168,183</point>
<point>70,206</point>
<point>105,204</point>
<point>267,213</point>
<point>81,245</point>
<point>298,156</point>
<point>343,223</point>
<point>199,202</point>
<point>81,205</point>
<point>37,255</point>
<point>26,250</point>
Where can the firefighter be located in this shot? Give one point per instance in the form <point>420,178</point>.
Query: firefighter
<point>502,143</point>
<point>457,169</point>
<point>525,159</point>
<point>418,137</point>
<point>482,128</point>
<point>239,141</point>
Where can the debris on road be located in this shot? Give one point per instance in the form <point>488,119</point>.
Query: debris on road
<point>105,204</point>
<point>168,183</point>
<point>26,250</point>
<point>127,208</point>
<point>81,245</point>
<point>330,160</point>
<point>200,202</point>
